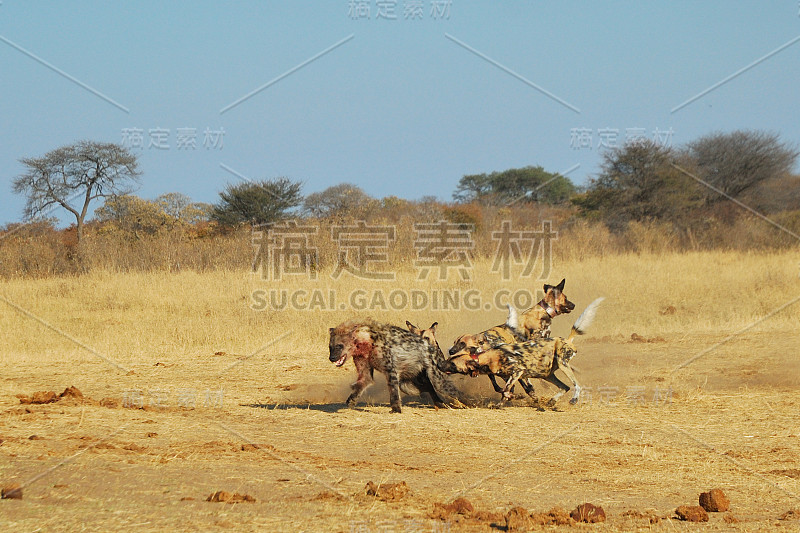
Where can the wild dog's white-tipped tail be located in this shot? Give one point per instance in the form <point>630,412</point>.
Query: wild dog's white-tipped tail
<point>584,321</point>
<point>513,319</point>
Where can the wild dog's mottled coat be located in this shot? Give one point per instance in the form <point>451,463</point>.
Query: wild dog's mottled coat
<point>404,357</point>
<point>533,324</point>
<point>538,359</point>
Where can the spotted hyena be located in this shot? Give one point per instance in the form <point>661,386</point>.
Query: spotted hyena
<point>404,357</point>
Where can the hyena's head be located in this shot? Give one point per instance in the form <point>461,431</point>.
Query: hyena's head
<point>349,339</point>
<point>554,297</point>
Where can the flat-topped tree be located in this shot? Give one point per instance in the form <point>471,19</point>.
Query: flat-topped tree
<point>73,176</point>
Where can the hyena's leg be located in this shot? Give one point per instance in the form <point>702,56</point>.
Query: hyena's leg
<point>363,381</point>
<point>394,385</point>
<point>423,384</point>
<point>561,386</point>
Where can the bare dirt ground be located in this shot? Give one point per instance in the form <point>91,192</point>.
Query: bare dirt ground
<point>646,441</point>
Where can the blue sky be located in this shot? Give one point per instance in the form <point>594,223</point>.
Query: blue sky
<point>400,107</point>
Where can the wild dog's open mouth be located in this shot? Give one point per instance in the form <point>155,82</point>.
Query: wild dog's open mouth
<point>341,361</point>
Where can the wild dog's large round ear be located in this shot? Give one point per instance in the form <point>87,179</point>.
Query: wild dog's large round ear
<point>433,326</point>
<point>547,288</point>
<point>560,286</point>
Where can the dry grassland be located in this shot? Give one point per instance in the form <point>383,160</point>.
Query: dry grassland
<point>213,374</point>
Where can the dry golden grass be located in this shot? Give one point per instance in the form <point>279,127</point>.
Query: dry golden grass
<point>728,419</point>
<point>130,316</point>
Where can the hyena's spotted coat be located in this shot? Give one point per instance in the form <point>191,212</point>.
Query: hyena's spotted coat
<point>404,357</point>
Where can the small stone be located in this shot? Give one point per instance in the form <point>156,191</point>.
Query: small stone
<point>518,519</point>
<point>71,392</point>
<point>692,513</point>
<point>219,496</point>
<point>588,513</point>
<point>111,403</point>
<point>714,501</point>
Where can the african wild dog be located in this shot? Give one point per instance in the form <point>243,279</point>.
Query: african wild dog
<point>538,358</point>
<point>429,335</point>
<point>404,357</point>
<point>533,324</point>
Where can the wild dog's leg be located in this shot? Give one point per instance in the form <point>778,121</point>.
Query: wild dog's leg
<point>510,385</point>
<point>524,382</point>
<point>364,380</point>
<point>571,376</point>
<point>528,387</point>
<point>558,383</point>
<point>497,388</point>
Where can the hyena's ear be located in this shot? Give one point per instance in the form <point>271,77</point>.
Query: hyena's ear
<point>560,286</point>
<point>433,327</point>
<point>412,328</point>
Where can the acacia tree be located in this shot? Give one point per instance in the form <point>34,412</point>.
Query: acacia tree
<point>527,184</point>
<point>638,181</point>
<point>182,208</point>
<point>737,162</point>
<point>80,173</point>
<point>337,200</point>
<point>258,202</point>
<point>135,216</point>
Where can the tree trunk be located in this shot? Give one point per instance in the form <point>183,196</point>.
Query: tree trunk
<point>80,259</point>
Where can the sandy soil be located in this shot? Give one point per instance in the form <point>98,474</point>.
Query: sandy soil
<point>647,441</point>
